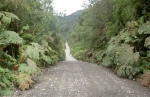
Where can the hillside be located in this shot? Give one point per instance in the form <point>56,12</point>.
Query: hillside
<point>67,23</point>
<point>73,16</point>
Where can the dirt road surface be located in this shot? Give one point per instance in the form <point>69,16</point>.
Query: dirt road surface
<point>72,78</point>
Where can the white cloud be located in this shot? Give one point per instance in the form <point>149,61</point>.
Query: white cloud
<point>69,6</point>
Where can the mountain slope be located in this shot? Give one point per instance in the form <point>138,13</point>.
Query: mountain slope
<point>73,16</point>
<point>67,23</point>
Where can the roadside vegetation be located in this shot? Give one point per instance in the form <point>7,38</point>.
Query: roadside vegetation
<point>115,34</point>
<point>29,40</point>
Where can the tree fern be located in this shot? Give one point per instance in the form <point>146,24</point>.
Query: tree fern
<point>11,15</point>
<point>7,17</point>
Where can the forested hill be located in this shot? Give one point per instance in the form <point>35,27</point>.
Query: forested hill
<point>73,16</point>
<point>67,23</point>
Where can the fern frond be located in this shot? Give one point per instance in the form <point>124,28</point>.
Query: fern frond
<point>47,59</point>
<point>11,15</point>
<point>8,37</point>
<point>29,68</point>
<point>34,51</point>
<point>7,17</point>
<point>28,37</point>
<point>26,27</point>
<point>126,56</point>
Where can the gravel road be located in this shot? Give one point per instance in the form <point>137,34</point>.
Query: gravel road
<point>72,78</point>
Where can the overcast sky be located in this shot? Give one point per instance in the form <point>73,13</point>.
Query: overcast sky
<point>69,6</point>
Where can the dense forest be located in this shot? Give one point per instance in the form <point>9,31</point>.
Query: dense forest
<point>29,40</point>
<point>67,24</point>
<point>115,34</point>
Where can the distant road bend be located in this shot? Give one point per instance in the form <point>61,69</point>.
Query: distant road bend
<point>72,78</point>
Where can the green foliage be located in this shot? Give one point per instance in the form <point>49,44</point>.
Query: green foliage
<point>101,56</point>
<point>7,17</point>
<point>15,40</point>
<point>45,45</point>
<point>127,71</point>
<point>144,28</point>
<point>6,79</point>
<point>34,51</point>
<point>126,56</point>
<point>8,37</point>
<point>47,59</point>
<point>11,15</point>
<point>28,37</point>
<point>7,61</point>
<point>147,42</point>
<point>107,62</point>
<point>119,30</point>
<point>29,68</point>
<point>25,27</point>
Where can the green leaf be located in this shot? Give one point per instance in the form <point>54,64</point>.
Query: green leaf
<point>11,15</point>
<point>144,28</point>
<point>6,20</point>
<point>47,59</point>
<point>7,17</point>
<point>6,92</point>
<point>147,42</point>
<point>6,81</point>
<point>126,56</point>
<point>25,27</point>
<point>29,68</point>
<point>8,37</point>
<point>34,51</point>
<point>45,45</point>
